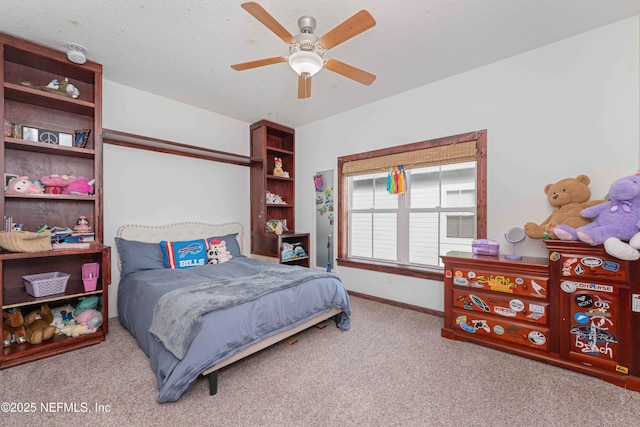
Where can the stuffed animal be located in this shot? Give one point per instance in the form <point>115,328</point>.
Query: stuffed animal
<point>38,325</point>
<point>12,327</point>
<point>62,316</point>
<point>92,318</point>
<point>278,171</point>
<point>218,253</point>
<point>568,197</point>
<point>22,185</point>
<point>617,217</point>
<point>79,185</point>
<point>74,330</point>
<point>87,322</point>
<point>55,184</point>
<point>623,250</point>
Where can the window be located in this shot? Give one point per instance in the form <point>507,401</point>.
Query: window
<point>443,208</point>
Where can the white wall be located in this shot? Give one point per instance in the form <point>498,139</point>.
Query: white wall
<point>565,109</point>
<point>144,187</point>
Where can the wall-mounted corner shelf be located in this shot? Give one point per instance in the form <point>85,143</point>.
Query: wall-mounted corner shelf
<point>141,142</point>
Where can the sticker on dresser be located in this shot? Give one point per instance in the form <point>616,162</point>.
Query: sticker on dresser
<point>526,286</point>
<point>502,329</point>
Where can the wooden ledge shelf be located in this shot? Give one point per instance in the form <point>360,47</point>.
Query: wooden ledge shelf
<point>141,142</point>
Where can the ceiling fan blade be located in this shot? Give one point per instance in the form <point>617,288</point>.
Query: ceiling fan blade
<point>268,21</point>
<point>353,26</point>
<point>259,63</point>
<point>304,87</point>
<point>350,71</point>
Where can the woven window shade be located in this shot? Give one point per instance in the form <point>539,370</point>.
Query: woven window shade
<point>441,155</point>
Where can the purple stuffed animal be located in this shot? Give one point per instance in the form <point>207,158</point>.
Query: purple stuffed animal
<point>617,217</point>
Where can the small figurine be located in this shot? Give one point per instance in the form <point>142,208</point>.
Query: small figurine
<point>82,225</point>
<point>278,171</point>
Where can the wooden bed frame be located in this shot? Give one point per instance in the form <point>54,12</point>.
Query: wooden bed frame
<point>195,230</point>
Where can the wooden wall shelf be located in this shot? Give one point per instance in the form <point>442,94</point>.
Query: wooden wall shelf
<point>141,142</point>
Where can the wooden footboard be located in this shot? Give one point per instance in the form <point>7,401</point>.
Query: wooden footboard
<point>212,372</point>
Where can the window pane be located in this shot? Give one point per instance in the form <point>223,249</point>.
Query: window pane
<point>361,226</point>
<point>362,192</point>
<point>384,200</point>
<point>385,240</point>
<point>428,239</point>
<point>423,238</point>
<point>460,226</point>
<point>425,187</point>
<point>459,185</point>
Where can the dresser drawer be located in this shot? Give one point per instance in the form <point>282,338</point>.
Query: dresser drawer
<point>591,267</point>
<point>490,326</point>
<point>502,305</point>
<point>509,283</point>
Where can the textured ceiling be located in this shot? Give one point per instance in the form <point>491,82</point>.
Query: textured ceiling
<point>183,49</point>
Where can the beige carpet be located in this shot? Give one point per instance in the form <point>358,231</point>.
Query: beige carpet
<point>391,369</point>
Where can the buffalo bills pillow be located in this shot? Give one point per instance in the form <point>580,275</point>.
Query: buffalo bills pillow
<point>186,254</point>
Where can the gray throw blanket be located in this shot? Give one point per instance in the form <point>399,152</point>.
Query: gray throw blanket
<point>178,315</point>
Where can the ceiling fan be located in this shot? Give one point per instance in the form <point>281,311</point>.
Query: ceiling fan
<point>306,50</point>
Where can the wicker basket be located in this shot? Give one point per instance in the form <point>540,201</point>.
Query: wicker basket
<point>26,241</point>
<point>43,284</point>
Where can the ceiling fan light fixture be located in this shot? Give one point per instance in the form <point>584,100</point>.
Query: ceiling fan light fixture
<point>306,62</point>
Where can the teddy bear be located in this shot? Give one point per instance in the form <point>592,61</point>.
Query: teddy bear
<point>617,217</point>
<point>218,253</point>
<point>22,185</point>
<point>568,197</point>
<point>38,325</point>
<point>12,327</point>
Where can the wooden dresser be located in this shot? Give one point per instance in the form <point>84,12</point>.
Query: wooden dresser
<point>578,309</point>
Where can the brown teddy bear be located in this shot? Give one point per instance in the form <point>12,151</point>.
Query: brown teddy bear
<point>568,197</point>
<point>12,327</point>
<point>38,325</point>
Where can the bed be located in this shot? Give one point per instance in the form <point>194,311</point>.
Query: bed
<point>194,321</point>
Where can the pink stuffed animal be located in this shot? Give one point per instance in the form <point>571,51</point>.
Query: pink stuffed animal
<point>23,185</point>
<point>55,184</point>
<point>80,185</point>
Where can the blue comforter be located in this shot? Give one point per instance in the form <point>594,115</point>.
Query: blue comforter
<point>225,331</point>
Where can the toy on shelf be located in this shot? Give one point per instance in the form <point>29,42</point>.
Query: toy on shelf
<point>65,88</point>
<point>568,197</point>
<point>79,185</point>
<point>67,184</point>
<point>38,324</point>
<point>22,185</point>
<point>12,327</point>
<point>82,225</point>
<point>277,170</point>
<point>274,199</point>
<point>617,217</point>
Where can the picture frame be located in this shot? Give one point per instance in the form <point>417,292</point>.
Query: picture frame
<point>30,133</point>
<point>8,177</point>
<point>81,137</point>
